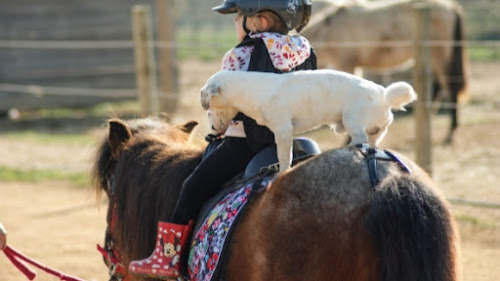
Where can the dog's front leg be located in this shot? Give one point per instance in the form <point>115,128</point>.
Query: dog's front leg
<point>284,140</point>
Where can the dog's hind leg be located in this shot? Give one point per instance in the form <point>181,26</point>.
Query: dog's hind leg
<point>355,128</point>
<point>338,128</point>
<point>357,131</point>
<point>358,136</point>
<point>375,138</point>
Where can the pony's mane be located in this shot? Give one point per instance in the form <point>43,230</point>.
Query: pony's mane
<point>161,157</point>
<point>143,128</point>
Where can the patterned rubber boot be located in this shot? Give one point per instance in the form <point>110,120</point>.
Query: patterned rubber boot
<point>165,262</point>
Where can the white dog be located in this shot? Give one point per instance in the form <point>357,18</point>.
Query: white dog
<point>301,100</point>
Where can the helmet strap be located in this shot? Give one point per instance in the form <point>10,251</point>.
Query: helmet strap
<point>244,24</point>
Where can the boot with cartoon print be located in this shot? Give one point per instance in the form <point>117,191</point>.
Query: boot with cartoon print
<point>165,262</point>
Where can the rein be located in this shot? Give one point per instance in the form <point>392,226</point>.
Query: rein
<point>18,258</point>
<point>117,271</point>
<point>372,155</point>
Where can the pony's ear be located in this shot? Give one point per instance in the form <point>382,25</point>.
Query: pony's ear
<point>119,133</point>
<point>189,126</point>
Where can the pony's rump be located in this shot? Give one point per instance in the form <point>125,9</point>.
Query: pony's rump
<point>412,226</point>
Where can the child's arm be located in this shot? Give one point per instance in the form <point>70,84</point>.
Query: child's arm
<point>3,237</point>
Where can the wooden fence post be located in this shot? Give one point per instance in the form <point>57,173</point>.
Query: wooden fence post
<point>422,83</point>
<point>145,67</point>
<point>169,72</point>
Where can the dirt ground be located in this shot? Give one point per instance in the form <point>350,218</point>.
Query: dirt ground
<point>60,225</point>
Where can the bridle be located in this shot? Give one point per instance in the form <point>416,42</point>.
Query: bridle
<point>117,271</point>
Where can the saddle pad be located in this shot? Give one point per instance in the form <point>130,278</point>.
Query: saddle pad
<point>209,241</point>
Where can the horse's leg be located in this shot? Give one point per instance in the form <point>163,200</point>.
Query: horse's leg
<point>443,91</point>
<point>453,116</point>
<point>457,72</point>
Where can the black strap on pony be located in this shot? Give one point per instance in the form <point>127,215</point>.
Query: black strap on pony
<point>372,155</point>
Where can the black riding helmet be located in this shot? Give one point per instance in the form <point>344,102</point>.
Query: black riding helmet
<point>295,13</point>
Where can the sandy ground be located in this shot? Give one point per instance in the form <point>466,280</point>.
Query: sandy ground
<point>60,225</point>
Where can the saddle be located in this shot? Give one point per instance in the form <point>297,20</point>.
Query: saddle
<point>219,214</point>
<point>265,162</point>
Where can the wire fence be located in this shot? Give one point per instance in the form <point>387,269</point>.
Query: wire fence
<point>131,93</point>
<point>41,90</point>
<point>127,44</point>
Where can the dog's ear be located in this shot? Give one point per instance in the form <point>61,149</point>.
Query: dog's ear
<point>212,88</point>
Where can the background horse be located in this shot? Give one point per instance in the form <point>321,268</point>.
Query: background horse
<point>322,220</point>
<point>378,35</point>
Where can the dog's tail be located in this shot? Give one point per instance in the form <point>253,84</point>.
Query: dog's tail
<point>399,94</point>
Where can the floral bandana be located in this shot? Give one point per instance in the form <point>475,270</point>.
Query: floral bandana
<point>209,240</point>
<point>286,52</point>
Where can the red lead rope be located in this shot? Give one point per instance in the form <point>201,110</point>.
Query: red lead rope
<point>112,255</point>
<point>17,259</point>
<point>120,268</point>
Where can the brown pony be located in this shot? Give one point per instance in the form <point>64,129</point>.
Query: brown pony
<point>321,220</point>
<point>379,35</point>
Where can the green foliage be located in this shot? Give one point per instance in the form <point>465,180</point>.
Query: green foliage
<point>50,138</point>
<point>115,108</point>
<point>206,44</point>
<point>486,54</point>
<point>476,221</point>
<point>102,109</point>
<point>481,19</point>
<point>37,175</point>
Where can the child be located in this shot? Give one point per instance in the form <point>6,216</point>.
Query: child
<point>262,28</point>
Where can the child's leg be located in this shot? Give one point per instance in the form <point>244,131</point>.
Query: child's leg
<point>205,181</point>
<point>222,164</point>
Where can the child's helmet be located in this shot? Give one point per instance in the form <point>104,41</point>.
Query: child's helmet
<point>295,13</point>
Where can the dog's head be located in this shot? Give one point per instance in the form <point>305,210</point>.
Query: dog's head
<point>219,119</point>
<point>211,93</point>
<point>212,88</point>
<point>221,112</point>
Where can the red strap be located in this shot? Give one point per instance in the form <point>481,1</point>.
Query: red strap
<point>62,276</point>
<point>28,272</point>
<point>120,268</point>
<point>106,254</point>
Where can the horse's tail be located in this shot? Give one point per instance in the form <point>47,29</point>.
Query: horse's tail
<point>399,94</point>
<point>414,232</point>
<point>458,67</point>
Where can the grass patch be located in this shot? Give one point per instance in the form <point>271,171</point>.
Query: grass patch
<point>484,54</point>
<point>205,44</point>
<point>476,221</point>
<point>38,175</point>
<point>50,138</point>
<point>108,109</point>
<point>115,109</point>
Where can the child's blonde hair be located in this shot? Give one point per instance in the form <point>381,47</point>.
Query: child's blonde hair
<point>276,24</point>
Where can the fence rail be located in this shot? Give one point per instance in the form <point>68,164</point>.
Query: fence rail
<point>40,91</point>
<point>127,44</point>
